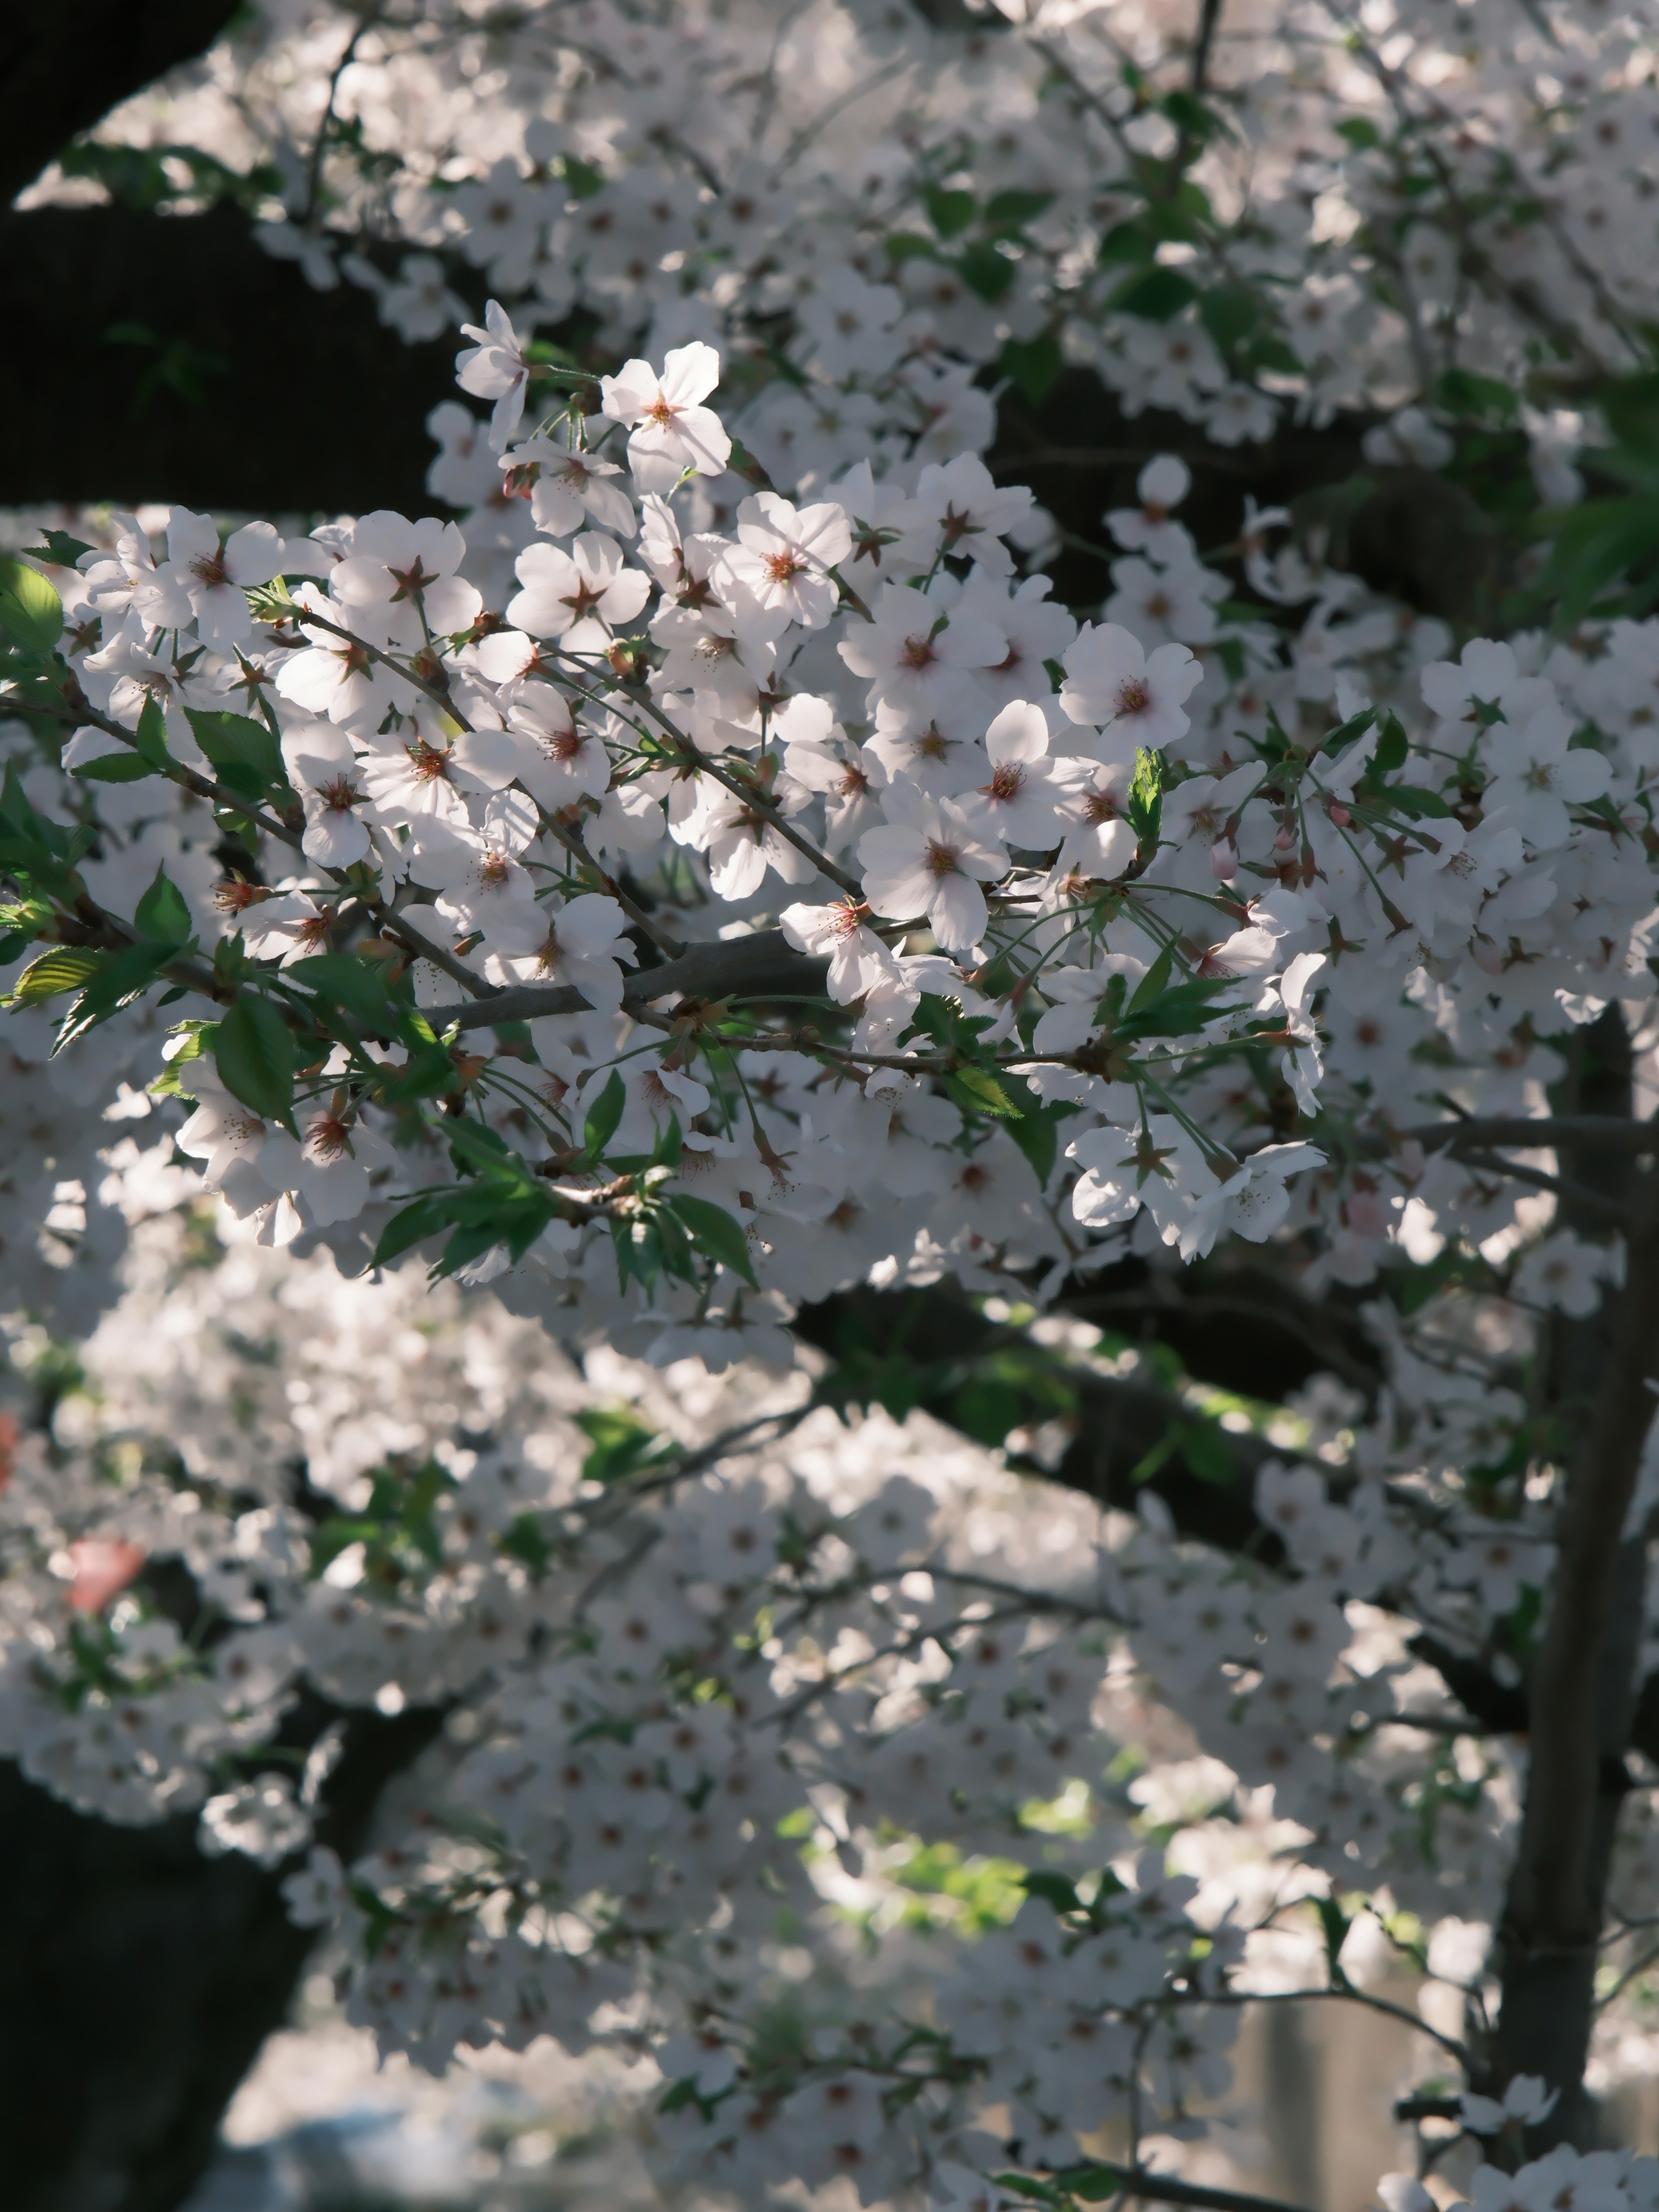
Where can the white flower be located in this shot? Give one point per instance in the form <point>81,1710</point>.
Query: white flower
<point>221,1131</point>
<point>1163,484</point>
<point>917,657</point>
<point>408,779</point>
<point>1157,1166</point>
<point>581,946</point>
<point>1251,1203</point>
<point>338,676</point>
<point>924,860</point>
<point>494,367</point>
<point>578,597</point>
<point>1029,800</point>
<point>1484,673</point>
<point>1168,604</point>
<point>399,582</point>
<point>851,324</point>
<point>339,1155</point>
<point>324,769</point>
<point>419,305</point>
<point>1408,440</point>
<point>259,1819</point>
<point>783,555</point>
<point>1300,1064</point>
<point>859,961</point>
<point>1103,843</point>
<point>965,509</point>
<point>1567,1273</point>
<point>563,761</point>
<point>567,489</point>
<point>1526,2099</point>
<point>290,927</point>
<point>214,578</point>
<point>669,432</point>
<point>481,882</point>
<point>1535,778</point>
<point>1112,682</point>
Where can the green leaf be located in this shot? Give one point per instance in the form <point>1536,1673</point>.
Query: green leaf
<point>1411,799</point>
<point>151,737</point>
<point>1155,981</point>
<point>977,1091</point>
<point>986,1408</point>
<point>909,246</point>
<point>622,1442</point>
<point>1037,1134</point>
<point>1191,117</point>
<point>524,1540</point>
<point>254,1051</point>
<point>30,608</point>
<point>1134,241</point>
<point>1206,1451</point>
<point>422,1219</point>
<point>1176,1012</point>
<point>1391,746</point>
<point>1010,211</point>
<point>985,270</point>
<point>1145,803</point>
<point>716,1235</point>
<point>121,767</point>
<point>475,1146</point>
<point>1334,1924</point>
<point>1155,294</point>
<point>950,212</point>
<point>1468,397</point>
<point>1093,2184</point>
<point>582,178</point>
<point>237,741</point>
<point>1360,132</point>
<point>1034,364</point>
<point>59,548</point>
<point>65,968</point>
<point>342,980</point>
<point>122,977</point>
<point>161,915</point>
<point>603,1116</point>
<point>1057,1890</point>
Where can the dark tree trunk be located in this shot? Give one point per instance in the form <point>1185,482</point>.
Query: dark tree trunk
<point>138,1981</point>
<point>306,405</point>
<point>62,69</point>
<point>1582,1694</point>
<point>281,400</point>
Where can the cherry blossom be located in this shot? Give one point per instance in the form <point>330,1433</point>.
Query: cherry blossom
<point>670,431</point>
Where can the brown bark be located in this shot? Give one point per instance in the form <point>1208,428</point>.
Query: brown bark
<point>138,1981</point>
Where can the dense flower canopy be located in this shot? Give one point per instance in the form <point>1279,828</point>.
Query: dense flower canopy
<point>714,869</point>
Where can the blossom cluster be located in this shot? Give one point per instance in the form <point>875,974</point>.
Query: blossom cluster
<point>1069,988</point>
<point>863,209</point>
<point>719,870</point>
<point>754,1714</point>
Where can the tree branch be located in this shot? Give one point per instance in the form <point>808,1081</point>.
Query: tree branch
<point>763,966</point>
<point>62,69</point>
<point>1604,1133</point>
<point>1170,2188</point>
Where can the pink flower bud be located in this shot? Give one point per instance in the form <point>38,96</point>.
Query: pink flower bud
<point>1339,815</point>
<point>103,1565</point>
<point>1368,1212</point>
<point>1223,861</point>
